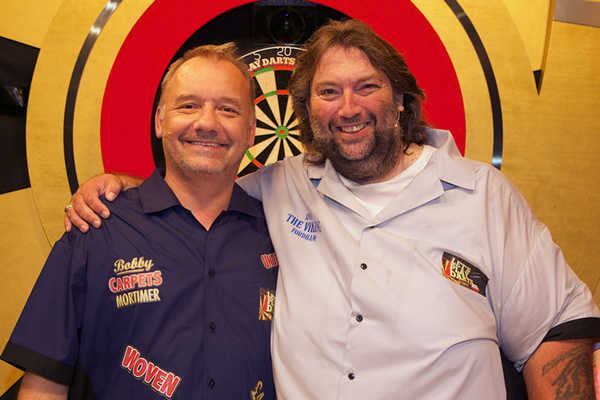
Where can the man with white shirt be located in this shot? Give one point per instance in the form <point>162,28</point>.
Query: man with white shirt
<point>405,268</point>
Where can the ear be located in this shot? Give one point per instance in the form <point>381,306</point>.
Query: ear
<point>158,125</point>
<point>400,101</point>
<point>252,134</point>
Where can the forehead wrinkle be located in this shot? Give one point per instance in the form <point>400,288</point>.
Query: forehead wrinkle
<point>355,82</point>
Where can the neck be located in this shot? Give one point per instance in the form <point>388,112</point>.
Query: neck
<point>365,172</point>
<point>205,195</point>
<point>408,158</point>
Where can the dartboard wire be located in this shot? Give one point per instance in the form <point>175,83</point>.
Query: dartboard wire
<point>272,141</point>
<point>296,142</point>
<point>262,157</point>
<point>266,81</point>
<point>274,154</point>
<point>289,114</point>
<point>262,117</point>
<point>264,133</point>
<point>274,106</point>
<point>258,147</point>
<point>245,162</point>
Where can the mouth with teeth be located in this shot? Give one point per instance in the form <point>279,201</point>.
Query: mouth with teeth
<point>203,143</point>
<point>353,128</point>
<point>206,144</point>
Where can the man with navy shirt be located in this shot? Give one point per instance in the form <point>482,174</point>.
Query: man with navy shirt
<point>174,297</point>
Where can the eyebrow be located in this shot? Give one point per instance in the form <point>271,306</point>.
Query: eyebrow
<point>368,77</point>
<point>225,99</point>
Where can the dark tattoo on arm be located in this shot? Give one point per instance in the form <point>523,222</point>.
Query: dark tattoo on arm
<point>576,379</point>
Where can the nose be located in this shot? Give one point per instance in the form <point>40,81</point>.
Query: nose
<point>206,120</point>
<point>349,107</point>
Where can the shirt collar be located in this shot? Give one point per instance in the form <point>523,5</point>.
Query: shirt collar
<point>452,167</point>
<point>156,195</point>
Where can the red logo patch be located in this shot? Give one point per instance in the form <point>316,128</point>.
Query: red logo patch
<point>269,260</point>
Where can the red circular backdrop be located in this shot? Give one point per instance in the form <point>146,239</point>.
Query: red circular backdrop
<point>165,26</point>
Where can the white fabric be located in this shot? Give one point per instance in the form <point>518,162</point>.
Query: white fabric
<point>375,196</point>
<point>422,336</point>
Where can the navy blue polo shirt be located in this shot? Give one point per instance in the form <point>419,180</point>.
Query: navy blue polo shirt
<point>153,305</point>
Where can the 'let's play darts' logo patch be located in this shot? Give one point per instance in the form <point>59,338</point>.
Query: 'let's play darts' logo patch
<point>465,274</point>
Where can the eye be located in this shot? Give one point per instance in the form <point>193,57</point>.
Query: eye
<point>328,93</point>
<point>186,106</point>
<point>230,110</point>
<point>368,88</point>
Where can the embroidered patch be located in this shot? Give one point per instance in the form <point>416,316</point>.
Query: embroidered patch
<point>269,260</point>
<point>267,304</point>
<point>465,274</point>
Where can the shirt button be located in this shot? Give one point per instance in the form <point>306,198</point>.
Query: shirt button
<point>359,318</point>
<point>212,326</point>
<point>363,266</point>
<point>351,376</point>
<point>211,273</point>
<point>211,382</point>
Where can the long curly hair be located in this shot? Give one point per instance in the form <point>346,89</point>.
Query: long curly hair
<point>350,33</point>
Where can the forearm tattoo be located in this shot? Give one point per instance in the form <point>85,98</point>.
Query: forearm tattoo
<point>576,379</point>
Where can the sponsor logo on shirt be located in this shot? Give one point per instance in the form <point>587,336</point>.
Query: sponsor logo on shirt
<point>269,260</point>
<point>163,382</point>
<point>134,283</point>
<point>267,305</point>
<point>257,393</point>
<point>306,228</point>
<point>465,274</point>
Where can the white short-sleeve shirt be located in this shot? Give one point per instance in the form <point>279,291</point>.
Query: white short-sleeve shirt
<point>413,302</point>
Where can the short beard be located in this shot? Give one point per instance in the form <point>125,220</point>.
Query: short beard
<point>379,157</point>
<point>191,169</point>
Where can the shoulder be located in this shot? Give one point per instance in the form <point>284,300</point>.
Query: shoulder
<point>126,201</point>
<point>267,176</point>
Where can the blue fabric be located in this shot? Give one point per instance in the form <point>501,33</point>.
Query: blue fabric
<point>152,304</point>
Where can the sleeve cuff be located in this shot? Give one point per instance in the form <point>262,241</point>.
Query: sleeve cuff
<point>576,329</point>
<point>26,359</point>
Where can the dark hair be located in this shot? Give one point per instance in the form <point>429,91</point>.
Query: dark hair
<point>352,33</point>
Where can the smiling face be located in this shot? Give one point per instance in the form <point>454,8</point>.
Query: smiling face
<point>205,122</point>
<point>353,114</point>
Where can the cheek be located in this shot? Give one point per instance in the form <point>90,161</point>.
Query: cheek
<point>323,110</point>
<point>237,131</point>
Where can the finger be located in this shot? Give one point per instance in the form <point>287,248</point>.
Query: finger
<point>114,185</point>
<point>67,223</point>
<point>73,219</point>
<point>81,214</point>
<point>92,206</point>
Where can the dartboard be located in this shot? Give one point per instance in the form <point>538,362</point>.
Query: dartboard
<point>277,134</point>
